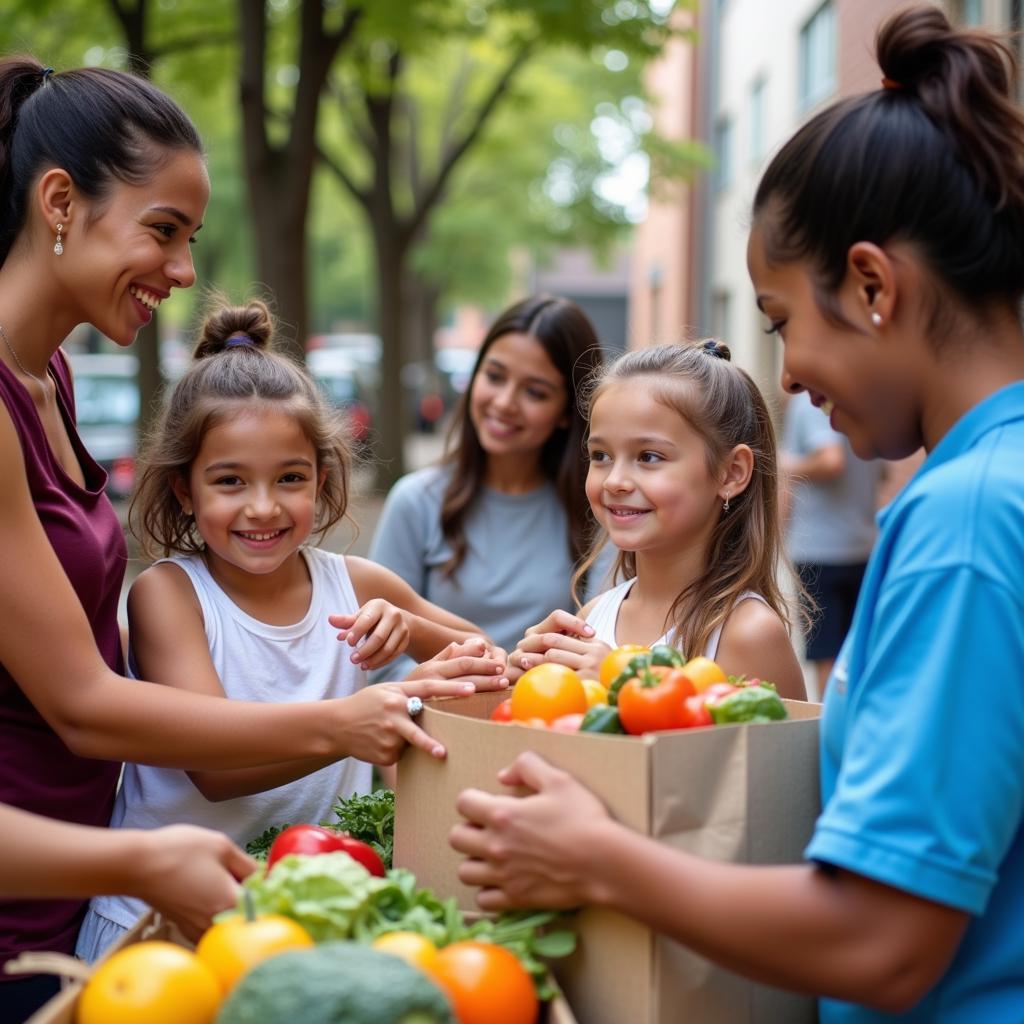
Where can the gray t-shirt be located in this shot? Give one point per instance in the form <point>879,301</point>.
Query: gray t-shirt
<point>517,567</point>
<point>832,521</point>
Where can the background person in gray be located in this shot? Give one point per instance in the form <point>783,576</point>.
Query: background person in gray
<point>831,500</point>
<point>495,531</point>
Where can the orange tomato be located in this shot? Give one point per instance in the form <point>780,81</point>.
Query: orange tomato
<point>412,947</point>
<point>596,693</point>
<point>615,661</point>
<point>548,691</point>
<point>231,948</point>
<point>150,983</point>
<point>486,984</point>
<point>703,672</point>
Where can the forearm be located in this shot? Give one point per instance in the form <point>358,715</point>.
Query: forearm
<point>127,720</point>
<point>427,637</point>
<point>796,927</point>
<point>227,785</point>
<point>46,859</point>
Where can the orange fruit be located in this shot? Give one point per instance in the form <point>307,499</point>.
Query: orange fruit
<point>412,947</point>
<point>547,691</point>
<point>703,672</point>
<point>231,948</point>
<point>596,693</point>
<point>150,983</point>
<point>487,984</point>
<point>615,661</point>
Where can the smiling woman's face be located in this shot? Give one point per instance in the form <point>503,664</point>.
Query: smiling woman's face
<point>864,380</point>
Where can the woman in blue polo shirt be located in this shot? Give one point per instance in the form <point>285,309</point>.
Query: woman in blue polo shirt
<point>888,253</point>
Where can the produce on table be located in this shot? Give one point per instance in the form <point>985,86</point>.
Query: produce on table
<point>150,983</point>
<point>370,818</point>
<point>337,983</point>
<point>233,946</point>
<point>615,661</point>
<point>333,897</point>
<point>548,691</point>
<point>487,984</point>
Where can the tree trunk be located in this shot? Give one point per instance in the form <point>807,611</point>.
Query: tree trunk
<point>393,407</point>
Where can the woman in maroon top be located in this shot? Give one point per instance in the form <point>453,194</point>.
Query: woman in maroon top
<point>102,190</point>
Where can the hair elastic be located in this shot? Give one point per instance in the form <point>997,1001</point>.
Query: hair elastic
<point>891,83</point>
<point>711,347</point>
<point>45,73</point>
<point>239,338</point>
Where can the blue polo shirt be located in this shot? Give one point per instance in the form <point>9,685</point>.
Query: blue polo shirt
<point>923,731</point>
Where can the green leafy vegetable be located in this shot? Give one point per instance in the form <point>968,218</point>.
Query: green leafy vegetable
<point>749,704</point>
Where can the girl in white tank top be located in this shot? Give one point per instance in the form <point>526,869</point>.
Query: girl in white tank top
<point>682,481</point>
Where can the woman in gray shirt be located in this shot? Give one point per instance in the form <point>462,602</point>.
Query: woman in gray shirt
<point>494,532</point>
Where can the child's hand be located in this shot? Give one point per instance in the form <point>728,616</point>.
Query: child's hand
<point>472,660</point>
<point>562,638</point>
<point>378,631</point>
<point>378,724</point>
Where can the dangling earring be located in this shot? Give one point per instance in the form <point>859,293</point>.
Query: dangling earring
<point>725,504</point>
<point>58,246</point>
<point>876,318</point>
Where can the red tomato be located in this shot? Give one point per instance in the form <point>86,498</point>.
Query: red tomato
<point>696,712</point>
<point>653,701</point>
<point>312,839</point>
<point>486,983</point>
<point>567,723</point>
<point>503,712</point>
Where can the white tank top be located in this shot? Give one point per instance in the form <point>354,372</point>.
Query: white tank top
<point>604,617</point>
<point>256,662</point>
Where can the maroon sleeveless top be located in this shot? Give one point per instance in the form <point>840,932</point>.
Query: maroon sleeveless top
<point>37,771</point>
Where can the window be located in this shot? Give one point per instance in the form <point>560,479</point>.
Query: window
<point>757,146</point>
<point>818,56</point>
<point>723,152</point>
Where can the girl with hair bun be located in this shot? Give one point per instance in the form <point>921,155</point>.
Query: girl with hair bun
<point>245,464</point>
<point>887,250</point>
<point>103,189</point>
<point>682,481</point>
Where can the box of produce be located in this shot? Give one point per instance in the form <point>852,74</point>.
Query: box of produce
<point>326,934</point>
<point>733,777</point>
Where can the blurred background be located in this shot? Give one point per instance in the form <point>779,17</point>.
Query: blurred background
<point>391,173</point>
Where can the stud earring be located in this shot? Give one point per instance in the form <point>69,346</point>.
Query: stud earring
<point>876,318</point>
<point>725,504</point>
<point>58,246</point>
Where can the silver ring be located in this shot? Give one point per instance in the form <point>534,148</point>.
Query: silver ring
<point>414,706</point>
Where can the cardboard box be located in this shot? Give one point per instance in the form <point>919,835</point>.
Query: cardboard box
<point>741,793</point>
<point>61,1009</point>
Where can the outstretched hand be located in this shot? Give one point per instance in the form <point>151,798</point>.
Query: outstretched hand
<point>191,874</point>
<point>378,631</point>
<point>533,850</point>
<point>472,660</point>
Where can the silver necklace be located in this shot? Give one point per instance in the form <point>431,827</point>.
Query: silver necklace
<point>21,366</point>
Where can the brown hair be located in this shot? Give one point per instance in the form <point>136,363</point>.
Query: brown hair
<point>562,329</point>
<point>935,159</point>
<point>233,361</point>
<point>725,407</point>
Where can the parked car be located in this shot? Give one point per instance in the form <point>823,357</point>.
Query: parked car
<point>348,384</point>
<point>107,407</point>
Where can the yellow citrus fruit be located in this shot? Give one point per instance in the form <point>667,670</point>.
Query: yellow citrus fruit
<point>231,948</point>
<point>150,983</point>
<point>703,672</point>
<point>615,661</point>
<point>547,691</point>
<point>412,947</point>
<point>596,693</point>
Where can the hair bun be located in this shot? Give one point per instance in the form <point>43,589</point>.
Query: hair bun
<point>250,326</point>
<point>717,348</point>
